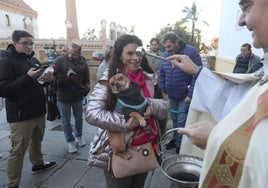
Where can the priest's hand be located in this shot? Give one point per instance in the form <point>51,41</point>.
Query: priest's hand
<point>184,63</point>
<point>198,133</point>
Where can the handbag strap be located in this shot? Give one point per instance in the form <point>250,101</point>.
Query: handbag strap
<point>158,152</point>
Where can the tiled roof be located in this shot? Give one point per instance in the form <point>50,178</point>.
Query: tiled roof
<point>20,4</point>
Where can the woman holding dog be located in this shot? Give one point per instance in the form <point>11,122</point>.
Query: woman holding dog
<point>102,110</point>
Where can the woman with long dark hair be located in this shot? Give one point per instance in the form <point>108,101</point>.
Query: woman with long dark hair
<point>102,110</point>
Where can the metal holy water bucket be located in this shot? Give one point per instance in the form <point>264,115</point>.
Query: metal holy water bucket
<point>182,170</point>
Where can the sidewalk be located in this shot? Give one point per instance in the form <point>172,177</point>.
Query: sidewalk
<point>71,170</point>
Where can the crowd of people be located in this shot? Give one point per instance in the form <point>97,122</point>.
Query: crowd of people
<point>174,87</point>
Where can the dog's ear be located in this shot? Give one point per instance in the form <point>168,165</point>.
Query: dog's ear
<point>104,82</point>
<point>111,85</point>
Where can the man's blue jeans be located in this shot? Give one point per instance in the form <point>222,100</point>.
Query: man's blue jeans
<point>65,112</point>
<point>178,114</point>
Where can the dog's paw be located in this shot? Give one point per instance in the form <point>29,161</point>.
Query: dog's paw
<point>143,122</point>
<point>132,123</point>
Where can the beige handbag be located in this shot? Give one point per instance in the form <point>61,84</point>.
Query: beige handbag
<point>143,159</point>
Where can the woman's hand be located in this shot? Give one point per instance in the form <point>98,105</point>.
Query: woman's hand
<point>198,133</point>
<point>184,63</point>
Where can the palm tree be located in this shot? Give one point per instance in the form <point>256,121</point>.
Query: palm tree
<point>192,16</point>
<point>132,29</point>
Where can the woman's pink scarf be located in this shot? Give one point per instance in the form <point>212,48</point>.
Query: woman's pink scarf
<point>138,78</point>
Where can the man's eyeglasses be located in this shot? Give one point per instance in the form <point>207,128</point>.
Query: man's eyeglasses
<point>245,5</point>
<point>26,44</point>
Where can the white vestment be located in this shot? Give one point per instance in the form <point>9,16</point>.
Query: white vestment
<point>230,104</point>
<point>215,100</point>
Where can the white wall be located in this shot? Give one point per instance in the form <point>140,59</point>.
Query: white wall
<point>231,36</point>
<point>35,29</point>
<point>16,22</point>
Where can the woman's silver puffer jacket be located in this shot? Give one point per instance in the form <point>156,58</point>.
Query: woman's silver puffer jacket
<point>96,115</point>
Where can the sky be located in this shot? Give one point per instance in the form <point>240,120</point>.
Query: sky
<point>147,16</point>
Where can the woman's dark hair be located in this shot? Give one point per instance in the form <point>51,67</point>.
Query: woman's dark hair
<point>108,53</point>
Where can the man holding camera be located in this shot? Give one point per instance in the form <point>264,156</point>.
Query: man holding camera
<point>72,79</point>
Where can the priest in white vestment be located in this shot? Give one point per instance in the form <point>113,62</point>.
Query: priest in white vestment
<point>230,104</point>
<point>236,135</point>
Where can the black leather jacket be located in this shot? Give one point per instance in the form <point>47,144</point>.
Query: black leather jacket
<point>67,90</point>
<point>25,97</point>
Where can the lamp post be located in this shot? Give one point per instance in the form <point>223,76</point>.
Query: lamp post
<point>46,48</point>
<point>47,52</point>
<point>51,51</point>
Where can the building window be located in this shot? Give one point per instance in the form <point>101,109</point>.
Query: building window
<point>24,24</point>
<point>7,20</point>
<point>27,21</point>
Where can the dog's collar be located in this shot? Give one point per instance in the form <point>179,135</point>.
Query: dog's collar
<point>138,107</point>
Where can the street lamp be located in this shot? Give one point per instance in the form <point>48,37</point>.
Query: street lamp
<point>48,53</point>
<point>51,51</point>
<point>46,48</point>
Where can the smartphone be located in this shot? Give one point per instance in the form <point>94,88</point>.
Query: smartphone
<point>44,66</point>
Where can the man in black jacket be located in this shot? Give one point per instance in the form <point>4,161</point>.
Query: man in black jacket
<point>72,73</point>
<point>25,105</point>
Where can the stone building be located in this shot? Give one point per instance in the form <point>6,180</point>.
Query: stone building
<point>16,14</point>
